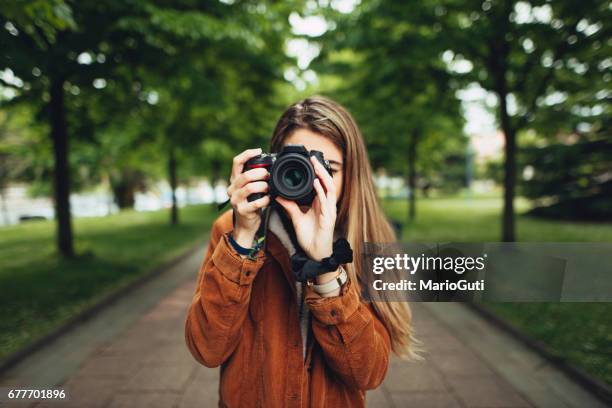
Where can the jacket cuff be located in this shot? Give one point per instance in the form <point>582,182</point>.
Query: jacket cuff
<point>335,309</point>
<point>234,267</point>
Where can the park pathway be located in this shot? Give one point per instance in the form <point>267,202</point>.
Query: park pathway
<point>138,358</point>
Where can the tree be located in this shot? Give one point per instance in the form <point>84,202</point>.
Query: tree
<point>57,50</point>
<point>223,94</point>
<point>396,84</point>
<point>27,39</point>
<point>526,52</point>
<point>52,47</point>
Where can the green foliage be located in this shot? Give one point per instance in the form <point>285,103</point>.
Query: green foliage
<point>41,290</point>
<point>551,55</point>
<point>546,62</point>
<point>571,181</point>
<point>141,78</point>
<point>396,84</point>
<point>40,19</point>
<point>23,154</point>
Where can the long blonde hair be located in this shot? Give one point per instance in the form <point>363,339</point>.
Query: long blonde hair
<point>360,218</point>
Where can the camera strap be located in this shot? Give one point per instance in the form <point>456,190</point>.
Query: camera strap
<point>260,235</point>
<point>288,225</point>
<point>222,205</point>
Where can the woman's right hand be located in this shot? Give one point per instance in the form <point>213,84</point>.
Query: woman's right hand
<point>242,185</point>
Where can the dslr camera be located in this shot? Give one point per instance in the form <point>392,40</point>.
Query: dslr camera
<point>291,173</point>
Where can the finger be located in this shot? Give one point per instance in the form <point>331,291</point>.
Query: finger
<point>324,176</point>
<point>251,188</point>
<point>249,208</point>
<point>290,206</point>
<point>242,158</point>
<point>321,198</point>
<point>248,176</point>
<point>258,204</point>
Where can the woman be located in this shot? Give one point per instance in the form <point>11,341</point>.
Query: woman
<point>281,343</point>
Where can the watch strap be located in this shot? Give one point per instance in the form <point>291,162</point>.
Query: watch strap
<point>333,284</point>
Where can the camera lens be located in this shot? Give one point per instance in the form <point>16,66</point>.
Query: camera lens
<point>293,177</point>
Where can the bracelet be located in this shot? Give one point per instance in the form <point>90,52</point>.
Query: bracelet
<point>333,284</point>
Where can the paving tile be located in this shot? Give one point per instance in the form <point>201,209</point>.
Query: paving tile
<point>424,400</point>
<point>442,341</point>
<point>202,391</point>
<point>460,364</point>
<point>377,399</point>
<point>90,392</point>
<point>413,377</point>
<point>205,374</point>
<point>176,354</point>
<point>426,329</point>
<point>145,399</point>
<point>135,346</point>
<point>109,366</point>
<point>153,377</point>
<point>485,391</point>
<point>24,403</point>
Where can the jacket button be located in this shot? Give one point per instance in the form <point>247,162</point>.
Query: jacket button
<point>333,312</point>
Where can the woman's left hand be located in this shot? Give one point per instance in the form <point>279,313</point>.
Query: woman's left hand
<point>314,228</point>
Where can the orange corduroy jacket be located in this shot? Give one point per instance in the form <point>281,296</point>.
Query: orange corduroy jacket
<point>244,318</point>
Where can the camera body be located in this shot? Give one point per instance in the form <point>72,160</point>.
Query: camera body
<point>291,173</point>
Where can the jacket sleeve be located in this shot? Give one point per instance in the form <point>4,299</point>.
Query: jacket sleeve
<point>220,303</point>
<point>354,341</point>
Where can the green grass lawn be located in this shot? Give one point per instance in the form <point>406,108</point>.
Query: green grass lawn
<point>478,219</point>
<point>578,332</point>
<point>39,290</point>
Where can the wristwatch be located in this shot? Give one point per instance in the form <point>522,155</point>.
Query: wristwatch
<point>333,284</point>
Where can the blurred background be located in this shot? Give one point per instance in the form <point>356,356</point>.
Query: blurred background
<point>485,121</point>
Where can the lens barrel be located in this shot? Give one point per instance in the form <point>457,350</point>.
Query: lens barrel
<point>292,177</point>
<point>291,173</point>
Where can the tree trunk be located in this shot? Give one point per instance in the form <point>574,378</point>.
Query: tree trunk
<point>173,184</point>
<point>124,195</point>
<point>498,65</point>
<point>124,186</point>
<point>61,174</point>
<point>501,88</point>
<point>412,153</point>
<point>509,174</point>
